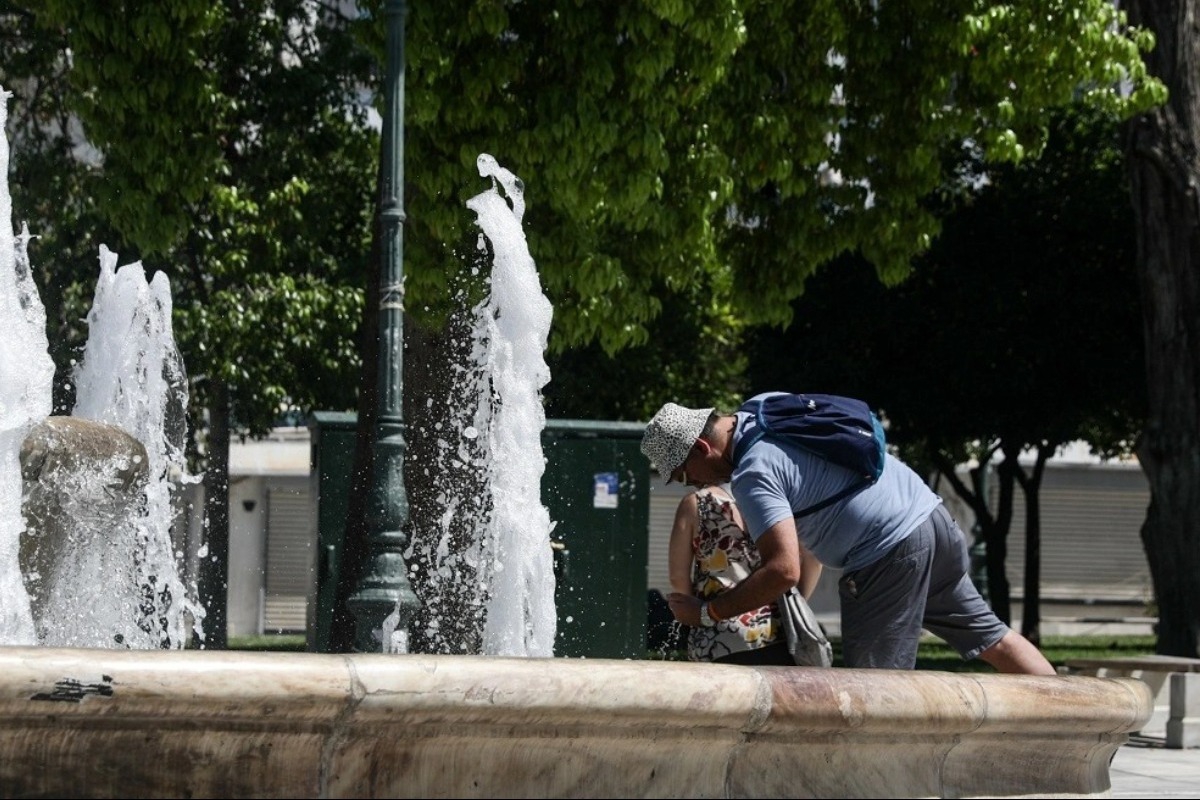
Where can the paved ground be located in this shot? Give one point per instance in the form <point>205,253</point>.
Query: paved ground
<point>1144,768</point>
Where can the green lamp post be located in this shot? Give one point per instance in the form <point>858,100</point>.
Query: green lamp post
<point>383,603</point>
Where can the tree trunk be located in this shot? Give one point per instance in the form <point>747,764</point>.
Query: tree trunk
<point>993,527</point>
<point>1031,485</point>
<point>214,565</point>
<point>995,535</point>
<point>1163,152</point>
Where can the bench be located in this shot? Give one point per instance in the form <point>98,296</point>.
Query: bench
<point>1175,683</point>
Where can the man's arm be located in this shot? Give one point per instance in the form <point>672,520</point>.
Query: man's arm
<point>779,571</point>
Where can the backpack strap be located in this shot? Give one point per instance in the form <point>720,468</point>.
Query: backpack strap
<point>747,440</point>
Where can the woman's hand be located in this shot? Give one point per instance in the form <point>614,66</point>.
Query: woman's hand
<point>685,607</point>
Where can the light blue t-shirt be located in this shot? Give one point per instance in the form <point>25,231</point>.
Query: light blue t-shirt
<point>776,479</point>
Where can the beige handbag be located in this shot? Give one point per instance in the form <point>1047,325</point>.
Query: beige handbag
<point>806,641</point>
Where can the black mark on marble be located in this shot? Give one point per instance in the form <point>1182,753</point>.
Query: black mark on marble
<point>69,690</point>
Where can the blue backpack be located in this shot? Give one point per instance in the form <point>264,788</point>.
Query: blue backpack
<point>839,429</point>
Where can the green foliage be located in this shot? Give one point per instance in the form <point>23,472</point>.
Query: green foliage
<point>281,341</point>
<point>724,148</point>
<point>852,111</point>
<point>237,159</point>
<point>271,642</point>
<point>1017,326</point>
<point>720,150</point>
<point>135,76</point>
<point>594,105</point>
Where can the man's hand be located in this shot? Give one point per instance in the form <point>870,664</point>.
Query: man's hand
<point>685,607</point>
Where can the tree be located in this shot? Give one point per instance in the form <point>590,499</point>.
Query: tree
<point>668,145</point>
<point>836,129</point>
<point>1163,145</point>
<point>1050,249</point>
<point>239,125</point>
<point>1015,332</point>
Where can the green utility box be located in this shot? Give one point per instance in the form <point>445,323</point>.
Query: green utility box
<point>597,490</point>
<point>596,487</point>
<point>332,437</point>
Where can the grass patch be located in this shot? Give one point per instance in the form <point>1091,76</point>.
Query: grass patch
<point>273,642</point>
<point>935,654</point>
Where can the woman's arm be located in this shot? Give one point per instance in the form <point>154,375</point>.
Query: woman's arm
<point>810,573</point>
<point>680,555</point>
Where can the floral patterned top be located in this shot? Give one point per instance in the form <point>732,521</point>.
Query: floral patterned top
<point>724,555</point>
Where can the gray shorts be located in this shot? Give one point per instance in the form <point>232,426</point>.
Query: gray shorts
<point>923,582</point>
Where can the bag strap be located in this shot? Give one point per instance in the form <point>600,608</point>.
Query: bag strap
<point>828,501</point>
<point>748,441</point>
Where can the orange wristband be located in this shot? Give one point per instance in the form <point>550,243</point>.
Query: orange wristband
<point>712,611</point>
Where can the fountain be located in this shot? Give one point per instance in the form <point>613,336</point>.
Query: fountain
<point>27,373</point>
<point>489,451</point>
<point>99,721</point>
<point>98,484</point>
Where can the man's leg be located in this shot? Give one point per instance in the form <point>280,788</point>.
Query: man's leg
<point>957,613</point>
<point>883,603</point>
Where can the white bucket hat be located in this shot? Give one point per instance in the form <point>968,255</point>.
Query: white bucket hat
<point>670,435</point>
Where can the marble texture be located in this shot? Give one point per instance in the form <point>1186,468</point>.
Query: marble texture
<point>100,723</point>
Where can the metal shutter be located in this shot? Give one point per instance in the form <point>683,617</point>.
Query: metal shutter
<point>1091,536</point>
<point>289,560</point>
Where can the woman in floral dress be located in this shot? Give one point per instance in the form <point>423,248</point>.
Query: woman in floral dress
<point>710,553</point>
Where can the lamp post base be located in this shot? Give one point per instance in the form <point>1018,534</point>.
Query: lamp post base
<point>383,608</point>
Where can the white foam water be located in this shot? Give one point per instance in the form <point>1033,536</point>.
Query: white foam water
<point>490,587</point>
<point>514,328</point>
<point>115,584</point>
<point>132,376</point>
<point>26,380</point>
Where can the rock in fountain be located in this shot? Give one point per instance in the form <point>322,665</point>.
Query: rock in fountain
<point>75,469</point>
